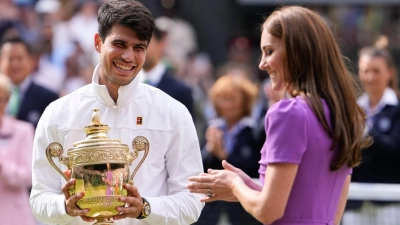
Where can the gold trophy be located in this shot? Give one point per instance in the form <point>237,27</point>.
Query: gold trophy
<point>100,166</point>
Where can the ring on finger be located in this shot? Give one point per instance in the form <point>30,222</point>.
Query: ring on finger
<point>209,193</point>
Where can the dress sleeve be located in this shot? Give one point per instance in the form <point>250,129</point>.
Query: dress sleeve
<point>286,130</point>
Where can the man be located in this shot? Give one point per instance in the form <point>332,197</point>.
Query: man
<point>155,72</point>
<point>130,108</point>
<point>28,100</point>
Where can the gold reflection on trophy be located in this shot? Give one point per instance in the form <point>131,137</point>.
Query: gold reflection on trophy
<point>100,166</point>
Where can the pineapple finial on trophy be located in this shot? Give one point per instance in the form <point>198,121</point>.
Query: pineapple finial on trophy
<point>95,117</point>
<point>96,129</point>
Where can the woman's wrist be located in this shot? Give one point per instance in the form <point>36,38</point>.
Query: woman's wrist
<point>236,182</point>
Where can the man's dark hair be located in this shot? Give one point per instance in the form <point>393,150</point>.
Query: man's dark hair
<point>129,13</point>
<point>17,40</point>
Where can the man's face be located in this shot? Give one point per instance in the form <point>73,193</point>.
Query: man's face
<point>121,56</point>
<point>15,62</point>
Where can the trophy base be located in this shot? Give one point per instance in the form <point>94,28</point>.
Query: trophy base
<point>101,206</point>
<point>104,221</point>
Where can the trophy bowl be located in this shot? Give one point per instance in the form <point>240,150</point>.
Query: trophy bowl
<point>100,166</point>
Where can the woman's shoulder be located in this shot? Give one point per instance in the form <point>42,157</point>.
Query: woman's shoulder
<point>294,108</point>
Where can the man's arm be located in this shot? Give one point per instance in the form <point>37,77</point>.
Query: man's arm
<point>182,160</point>
<point>46,199</point>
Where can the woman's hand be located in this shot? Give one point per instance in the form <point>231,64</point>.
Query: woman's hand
<point>216,185</point>
<point>215,144</point>
<point>246,178</point>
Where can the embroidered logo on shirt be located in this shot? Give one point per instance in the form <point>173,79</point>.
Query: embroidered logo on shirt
<point>139,120</point>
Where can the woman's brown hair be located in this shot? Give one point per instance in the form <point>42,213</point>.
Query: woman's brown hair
<point>318,70</point>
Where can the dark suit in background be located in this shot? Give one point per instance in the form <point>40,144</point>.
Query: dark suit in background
<point>380,161</point>
<point>176,89</point>
<point>34,101</point>
<point>156,73</point>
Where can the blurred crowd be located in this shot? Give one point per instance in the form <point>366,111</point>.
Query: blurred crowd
<point>47,52</point>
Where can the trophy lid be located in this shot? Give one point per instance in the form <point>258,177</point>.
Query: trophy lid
<point>97,147</point>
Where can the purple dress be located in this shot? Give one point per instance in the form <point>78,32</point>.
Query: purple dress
<point>294,135</point>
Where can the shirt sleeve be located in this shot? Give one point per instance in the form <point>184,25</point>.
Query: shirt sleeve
<point>183,159</point>
<point>286,132</point>
<point>46,199</point>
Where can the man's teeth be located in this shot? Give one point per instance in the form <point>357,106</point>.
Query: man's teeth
<point>122,67</point>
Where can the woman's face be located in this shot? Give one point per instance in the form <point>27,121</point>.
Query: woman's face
<point>230,104</point>
<point>273,59</point>
<point>374,74</point>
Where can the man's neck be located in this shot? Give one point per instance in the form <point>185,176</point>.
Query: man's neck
<point>112,88</point>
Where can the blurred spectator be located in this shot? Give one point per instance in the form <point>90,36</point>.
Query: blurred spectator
<point>231,137</point>
<point>8,10</point>
<point>380,101</point>
<point>47,71</point>
<point>17,20</point>
<point>267,97</point>
<point>155,72</point>
<point>83,25</point>
<point>181,40</point>
<point>239,59</point>
<point>28,100</point>
<point>8,30</point>
<point>199,76</point>
<point>78,71</point>
<point>27,24</point>
<point>199,71</point>
<point>48,10</point>
<point>16,141</point>
<point>63,42</point>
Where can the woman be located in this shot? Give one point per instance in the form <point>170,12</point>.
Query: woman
<point>16,140</point>
<point>314,137</point>
<point>378,75</point>
<point>231,136</point>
